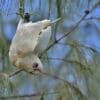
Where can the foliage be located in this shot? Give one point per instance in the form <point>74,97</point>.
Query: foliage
<point>71,60</point>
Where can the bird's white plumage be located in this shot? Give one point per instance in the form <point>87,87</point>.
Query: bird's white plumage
<point>43,40</point>
<point>29,40</point>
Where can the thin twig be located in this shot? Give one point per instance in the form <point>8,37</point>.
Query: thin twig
<point>79,45</point>
<point>49,10</point>
<point>84,67</point>
<point>73,28</point>
<point>15,73</point>
<point>93,18</point>
<point>26,95</point>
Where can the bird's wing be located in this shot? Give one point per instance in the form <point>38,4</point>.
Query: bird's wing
<point>43,40</point>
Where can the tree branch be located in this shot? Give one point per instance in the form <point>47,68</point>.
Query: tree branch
<point>55,42</point>
<point>67,83</point>
<point>15,73</point>
<point>21,9</point>
<point>79,45</point>
<point>26,95</point>
<point>67,60</point>
<point>93,18</point>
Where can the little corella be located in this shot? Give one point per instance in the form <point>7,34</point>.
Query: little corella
<point>30,40</point>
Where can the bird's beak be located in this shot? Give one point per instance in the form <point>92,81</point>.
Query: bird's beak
<point>37,69</point>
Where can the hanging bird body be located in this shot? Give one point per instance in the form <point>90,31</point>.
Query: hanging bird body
<point>29,40</point>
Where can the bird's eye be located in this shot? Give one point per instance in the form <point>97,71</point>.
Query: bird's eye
<point>35,65</point>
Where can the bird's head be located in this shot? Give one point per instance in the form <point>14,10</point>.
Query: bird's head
<point>30,63</point>
<point>33,64</point>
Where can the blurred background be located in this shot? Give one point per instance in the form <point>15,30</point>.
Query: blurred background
<point>72,62</point>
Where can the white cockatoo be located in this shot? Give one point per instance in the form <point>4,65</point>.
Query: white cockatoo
<point>30,40</point>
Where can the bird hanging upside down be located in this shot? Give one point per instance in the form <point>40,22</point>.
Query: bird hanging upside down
<point>30,39</point>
